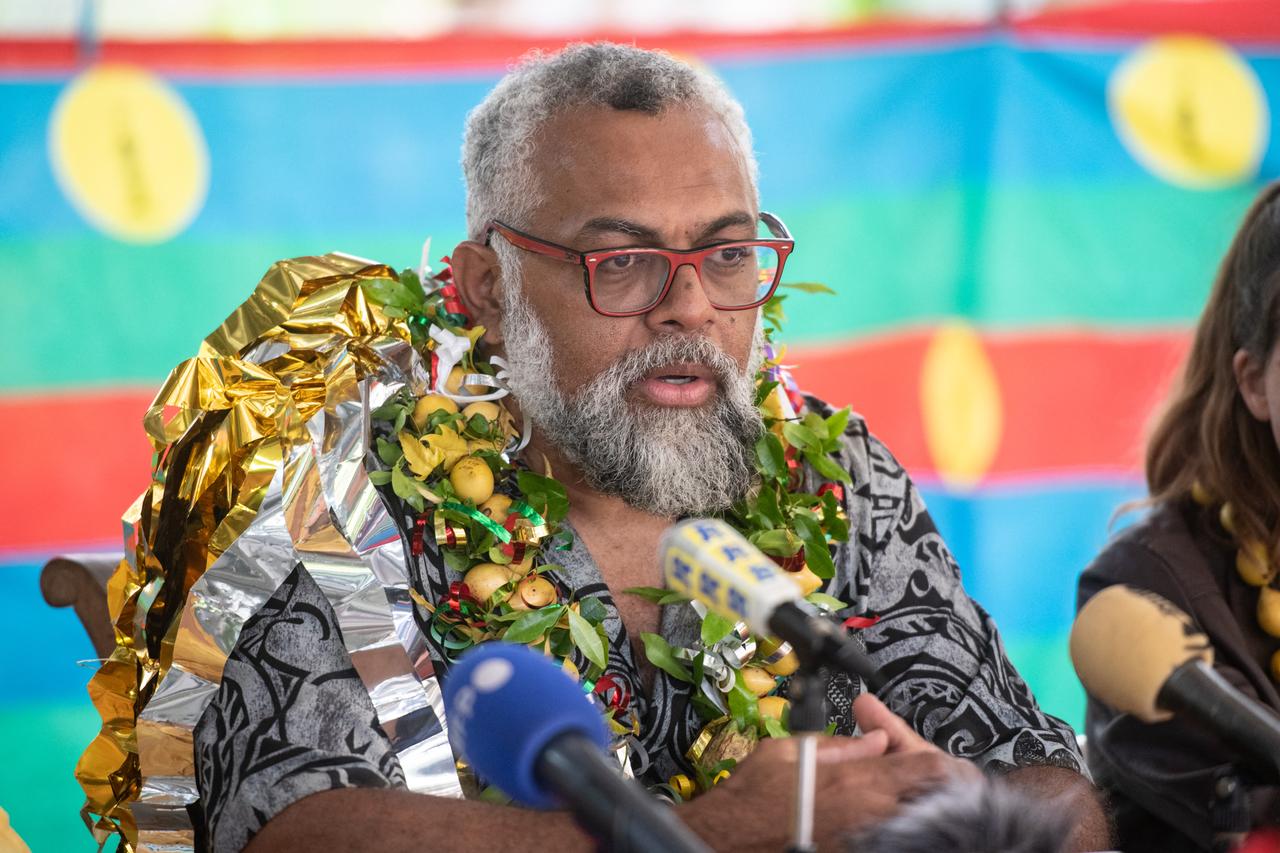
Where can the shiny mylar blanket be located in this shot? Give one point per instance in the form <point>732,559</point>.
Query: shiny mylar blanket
<point>261,441</point>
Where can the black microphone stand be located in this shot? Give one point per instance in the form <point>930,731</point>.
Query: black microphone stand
<point>808,694</point>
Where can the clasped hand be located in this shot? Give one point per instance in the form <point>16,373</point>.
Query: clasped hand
<point>861,781</point>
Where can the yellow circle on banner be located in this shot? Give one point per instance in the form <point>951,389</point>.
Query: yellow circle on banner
<point>960,405</point>
<point>1191,111</point>
<point>128,153</point>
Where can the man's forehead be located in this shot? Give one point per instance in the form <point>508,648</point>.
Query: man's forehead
<point>617,171</point>
<point>589,129</point>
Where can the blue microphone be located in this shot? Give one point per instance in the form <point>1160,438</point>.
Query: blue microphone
<point>525,726</point>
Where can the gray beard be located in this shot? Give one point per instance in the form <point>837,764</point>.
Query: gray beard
<point>668,461</point>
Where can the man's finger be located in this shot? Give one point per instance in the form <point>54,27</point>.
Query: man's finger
<point>836,750</point>
<point>873,715</point>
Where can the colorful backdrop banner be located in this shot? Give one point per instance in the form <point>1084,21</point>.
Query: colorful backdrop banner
<point>1020,223</point>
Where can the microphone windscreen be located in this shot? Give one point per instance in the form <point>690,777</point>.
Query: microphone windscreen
<point>504,704</point>
<point>1125,644</point>
<point>989,815</point>
<point>710,562</point>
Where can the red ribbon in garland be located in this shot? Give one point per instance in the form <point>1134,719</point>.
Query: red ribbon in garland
<point>794,563</point>
<point>416,545</point>
<point>516,548</point>
<point>835,489</point>
<point>452,303</point>
<point>614,692</point>
<point>445,274</point>
<point>857,623</point>
<point>461,603</point>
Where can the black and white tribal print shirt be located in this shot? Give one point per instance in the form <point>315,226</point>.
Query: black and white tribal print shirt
<point>291,718</point>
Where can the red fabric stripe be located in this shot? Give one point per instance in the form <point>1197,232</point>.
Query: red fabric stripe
<point>72,463</point>
<point>1242,21</point>
<point>461,51</point>
<point>1076,402</point>
<point>1072,401</point>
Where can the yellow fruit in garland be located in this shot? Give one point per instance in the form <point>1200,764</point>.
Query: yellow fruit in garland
<point>428,406</point>
<point>788,665</point>
<point>771,406</point>
<point>531,593</point>
<point>773,706</point>
<point>758,681</point>
<point>472,479</point>
<point>485,578</point>
<point>497,507</point>
<point>522,568</point>
<point>785,665</point>
<point>1269,610</point>
<point>1253,563</point>
<point>485,409</point>
<point>454,382</point>
<point>805,579</point>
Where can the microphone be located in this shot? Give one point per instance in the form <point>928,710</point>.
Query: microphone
<point>1138,653</point>
<point>711,562</point>
<point>989,815</point>
<point>527,727</point>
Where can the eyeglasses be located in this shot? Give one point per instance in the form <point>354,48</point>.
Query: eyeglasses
<point>736,274</point>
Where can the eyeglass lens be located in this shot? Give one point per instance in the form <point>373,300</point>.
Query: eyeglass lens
<point>732,276</point>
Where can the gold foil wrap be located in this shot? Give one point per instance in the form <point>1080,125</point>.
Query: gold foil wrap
<point>261,443</point>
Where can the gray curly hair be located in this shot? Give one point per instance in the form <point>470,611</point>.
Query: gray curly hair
<point>501,132</point>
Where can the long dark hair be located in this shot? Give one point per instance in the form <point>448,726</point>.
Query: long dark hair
<point>1205,434</point>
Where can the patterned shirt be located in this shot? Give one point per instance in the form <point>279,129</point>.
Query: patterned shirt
<point>290,717</point>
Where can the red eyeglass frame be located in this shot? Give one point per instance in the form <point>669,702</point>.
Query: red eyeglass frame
<point>782,243</point>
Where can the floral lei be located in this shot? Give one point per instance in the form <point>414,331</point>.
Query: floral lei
<point>449,456</point>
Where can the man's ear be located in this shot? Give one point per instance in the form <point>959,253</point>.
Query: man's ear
<point>476,273</point>
<point>1250,379</point>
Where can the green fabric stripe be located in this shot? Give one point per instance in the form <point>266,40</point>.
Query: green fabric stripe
<point>84,310</point>
<point>38,787</point>
<point>1010,257</point>
<point>88,311</point>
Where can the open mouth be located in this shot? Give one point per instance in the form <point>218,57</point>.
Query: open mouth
<point>679,385</point>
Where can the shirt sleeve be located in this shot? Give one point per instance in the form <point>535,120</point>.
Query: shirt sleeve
<point>945,667</point>
<point>290,718</point>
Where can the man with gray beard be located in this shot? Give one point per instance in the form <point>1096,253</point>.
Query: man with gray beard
<point>610,194</point>
<point>668,462</point>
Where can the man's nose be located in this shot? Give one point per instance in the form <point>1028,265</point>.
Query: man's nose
<point>686,305</point>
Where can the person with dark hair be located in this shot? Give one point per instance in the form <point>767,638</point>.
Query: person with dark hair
<point>1210,544</point>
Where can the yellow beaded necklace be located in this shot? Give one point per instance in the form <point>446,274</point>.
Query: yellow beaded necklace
<point>1255,568</point>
